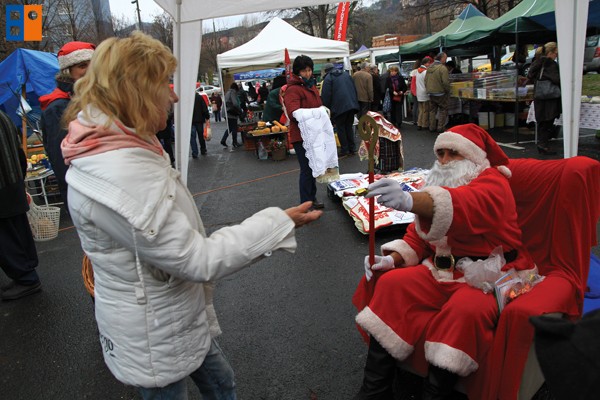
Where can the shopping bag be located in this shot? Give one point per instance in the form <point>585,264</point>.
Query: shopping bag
<point>207,131</point>
<point>387,102</point>
<point>546,90</point>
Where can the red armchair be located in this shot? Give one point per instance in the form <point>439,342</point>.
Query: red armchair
<point>558,203</point>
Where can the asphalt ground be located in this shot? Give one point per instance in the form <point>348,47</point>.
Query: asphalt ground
<point>288,321</point>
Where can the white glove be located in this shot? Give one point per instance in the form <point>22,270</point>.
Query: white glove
<point>391,194</point>
<point>382,263</point>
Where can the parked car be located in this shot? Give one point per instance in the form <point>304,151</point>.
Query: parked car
<point>510,64</point>
<point>488,66</point>
<point>209,89</point>
<point>591,55</point>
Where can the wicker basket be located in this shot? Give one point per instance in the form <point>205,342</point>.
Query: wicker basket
<point>44,221</point>
<point>88,275</point>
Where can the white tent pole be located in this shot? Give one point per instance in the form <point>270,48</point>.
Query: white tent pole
<point>177,86</point>
<point>570,30</point>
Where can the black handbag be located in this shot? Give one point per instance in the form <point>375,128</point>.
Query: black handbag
<point>545,90</point>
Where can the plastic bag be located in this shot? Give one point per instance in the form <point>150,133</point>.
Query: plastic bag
<point>513,284</point>
<point>262,152</point>
<point>387,102</point>
<point>207,131</point>
<point>482,274</point>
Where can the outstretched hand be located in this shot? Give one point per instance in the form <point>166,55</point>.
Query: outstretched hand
<point>391,194</point>
<point>302,215</point>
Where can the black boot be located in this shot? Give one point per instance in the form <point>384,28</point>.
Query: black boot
<point>439,384</point>
<point>379,374</point>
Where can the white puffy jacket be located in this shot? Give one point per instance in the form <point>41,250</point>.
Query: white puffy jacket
<point>139,225</point>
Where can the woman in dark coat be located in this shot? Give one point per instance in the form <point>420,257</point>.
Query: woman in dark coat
<point>397,87</point>
<point>546,111</point>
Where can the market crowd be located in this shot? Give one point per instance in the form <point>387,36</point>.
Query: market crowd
<point>155,265</point>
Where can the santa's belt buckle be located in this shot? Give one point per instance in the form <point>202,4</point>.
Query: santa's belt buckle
<point>444,263</point>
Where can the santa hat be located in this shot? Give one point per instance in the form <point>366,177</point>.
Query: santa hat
<point>73,53</point>
<point>475,144</point>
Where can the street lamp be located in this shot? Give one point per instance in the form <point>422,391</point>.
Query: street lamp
<point>137,6</point>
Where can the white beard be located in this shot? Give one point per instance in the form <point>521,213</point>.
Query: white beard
<point>455,173</point>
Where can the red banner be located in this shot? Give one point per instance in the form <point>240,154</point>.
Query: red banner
<point>341,21</point>
<point>287,63</point>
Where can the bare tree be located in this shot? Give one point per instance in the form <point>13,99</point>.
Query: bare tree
<point>121,24</point>
<point>162,29</point>
<point>213,42</point>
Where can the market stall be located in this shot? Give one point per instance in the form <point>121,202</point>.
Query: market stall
<point>265,138</point>
<point>494,98</point>
<point>25,75</point>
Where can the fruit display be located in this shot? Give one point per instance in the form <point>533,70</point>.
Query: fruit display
<point>36,158</point>
<point>37,163</point>
<point>264,128</point>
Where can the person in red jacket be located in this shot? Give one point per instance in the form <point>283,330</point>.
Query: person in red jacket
<point>301,92</point>
<point>73,60</point>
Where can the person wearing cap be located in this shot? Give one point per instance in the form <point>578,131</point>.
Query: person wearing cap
<point>422,96</point>
<point>73,61</point>
<point>339,95</point>
<point>466,209</point>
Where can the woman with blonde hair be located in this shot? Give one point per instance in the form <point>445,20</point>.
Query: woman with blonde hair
<point>397,87</point>
<point>545,67</point>
<point>139,226</point>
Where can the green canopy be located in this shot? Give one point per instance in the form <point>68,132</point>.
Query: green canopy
<point>503,30</point>
<point>468,19</point>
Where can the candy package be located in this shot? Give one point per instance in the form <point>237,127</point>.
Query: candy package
<point>513,284</point>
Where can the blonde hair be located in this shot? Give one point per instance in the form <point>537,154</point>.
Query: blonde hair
<point>394,68</point>
<point>126,80</point>
<point>550,47</point>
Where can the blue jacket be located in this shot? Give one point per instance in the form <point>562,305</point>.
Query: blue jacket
<point>338,93</point>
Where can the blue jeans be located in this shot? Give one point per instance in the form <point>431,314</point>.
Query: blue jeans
<point>197,134</point>
<point>214,378</point>
<point>306,182</point>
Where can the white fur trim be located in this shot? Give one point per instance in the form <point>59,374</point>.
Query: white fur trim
<point>459,143</point>
<point>454,360</point>
<point>443,214</point>
<point>504,170</point>
<point>390,341</point>
<point>402,248</point>
<point>74,57</point>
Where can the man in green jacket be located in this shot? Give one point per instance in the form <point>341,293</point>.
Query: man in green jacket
<point>437,84</point>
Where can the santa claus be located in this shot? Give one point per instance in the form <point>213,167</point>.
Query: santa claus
<point>466,210</point>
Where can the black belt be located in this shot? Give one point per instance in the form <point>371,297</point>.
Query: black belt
<point>447,263</point>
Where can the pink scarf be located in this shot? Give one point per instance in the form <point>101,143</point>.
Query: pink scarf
<point>83,140</point>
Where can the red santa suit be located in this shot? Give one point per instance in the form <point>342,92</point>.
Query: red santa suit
<point>419,303</point>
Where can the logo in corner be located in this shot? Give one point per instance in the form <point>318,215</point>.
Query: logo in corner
<point>24,22</point>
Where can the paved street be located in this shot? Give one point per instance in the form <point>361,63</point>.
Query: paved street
<point>288,321</point>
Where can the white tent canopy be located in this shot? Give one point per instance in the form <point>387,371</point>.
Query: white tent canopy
<point>267,48</point>
<point>373,52</point>
<point>187,32</point>
<point>188,16</point>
